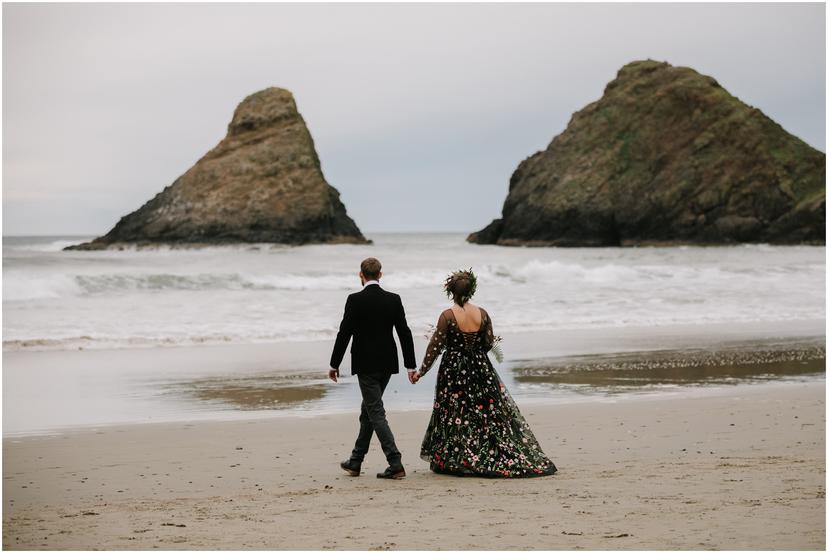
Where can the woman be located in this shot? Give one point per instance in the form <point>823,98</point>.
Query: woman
<point>475,427</point>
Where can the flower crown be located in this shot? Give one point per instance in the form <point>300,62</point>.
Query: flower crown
<point>461,275</point>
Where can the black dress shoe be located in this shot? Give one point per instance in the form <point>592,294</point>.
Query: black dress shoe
<point>392,472</point>
<point>351,467</point>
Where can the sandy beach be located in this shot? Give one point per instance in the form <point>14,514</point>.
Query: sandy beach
<point>679,393</point>
<point>736,468</point>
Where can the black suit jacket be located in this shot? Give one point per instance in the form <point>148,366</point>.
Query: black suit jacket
<point>370,316</point>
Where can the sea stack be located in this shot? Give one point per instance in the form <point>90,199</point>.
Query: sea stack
<point>262,183</point>
<point>666,156</point>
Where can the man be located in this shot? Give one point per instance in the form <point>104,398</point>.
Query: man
<point>370,316</point>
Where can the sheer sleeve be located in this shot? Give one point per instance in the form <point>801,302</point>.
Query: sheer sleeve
<point>488,332</point>
<point>436,345</point>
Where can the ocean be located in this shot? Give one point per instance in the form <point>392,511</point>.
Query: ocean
<point>134,336</point>
<point>54,299</point>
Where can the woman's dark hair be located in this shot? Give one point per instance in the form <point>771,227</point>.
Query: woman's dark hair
<point>460,286</point>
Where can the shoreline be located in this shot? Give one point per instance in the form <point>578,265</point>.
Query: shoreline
<point>738,470</point>
<point>263,416</point>
<point>57,390</point>
<point>543,341</point>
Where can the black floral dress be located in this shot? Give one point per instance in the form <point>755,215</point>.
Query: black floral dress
<point>475,427</point>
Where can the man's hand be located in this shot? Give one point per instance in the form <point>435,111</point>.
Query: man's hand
<point>333,374</point>
<point>413,376</point>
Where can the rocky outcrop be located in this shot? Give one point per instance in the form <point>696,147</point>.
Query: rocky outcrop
<point>666,156</point>
<point>261,183</point>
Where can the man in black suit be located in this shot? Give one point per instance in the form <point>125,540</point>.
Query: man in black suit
<point>370,316</point>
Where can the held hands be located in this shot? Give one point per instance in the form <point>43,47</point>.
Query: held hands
<point>413,376</point>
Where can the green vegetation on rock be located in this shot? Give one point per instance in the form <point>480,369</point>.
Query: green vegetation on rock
<point>666,156</point>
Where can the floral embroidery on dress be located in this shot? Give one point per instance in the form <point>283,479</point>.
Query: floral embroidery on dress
<point>476,427</point>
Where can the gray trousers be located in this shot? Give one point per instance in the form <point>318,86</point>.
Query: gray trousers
<point>372,419</point>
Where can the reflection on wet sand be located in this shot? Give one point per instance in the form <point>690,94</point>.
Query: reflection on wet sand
<point>545,379</point>
<point>258,392</point>
<point>243,397</point>
<point>625,372</point>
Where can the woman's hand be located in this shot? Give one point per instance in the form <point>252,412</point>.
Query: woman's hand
<point>414,376</point>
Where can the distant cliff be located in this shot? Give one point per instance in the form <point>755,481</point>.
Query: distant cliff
<point>261,183</point>
<point>665,156</point>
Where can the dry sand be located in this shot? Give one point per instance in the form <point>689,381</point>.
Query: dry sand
<point>740,469</point>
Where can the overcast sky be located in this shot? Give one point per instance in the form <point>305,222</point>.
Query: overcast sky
<point>420,113</point>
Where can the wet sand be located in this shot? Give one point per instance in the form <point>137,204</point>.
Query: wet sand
<point>731,363</point>
<point>739,468</point>
<point>52,390</point>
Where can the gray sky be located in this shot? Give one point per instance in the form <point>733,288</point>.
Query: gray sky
<point>420,113</point>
